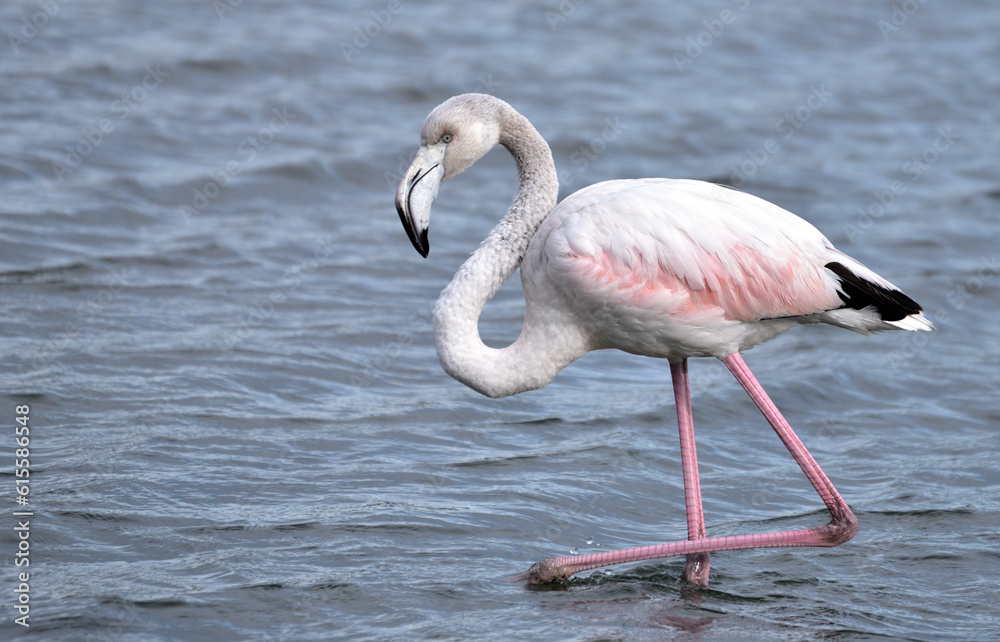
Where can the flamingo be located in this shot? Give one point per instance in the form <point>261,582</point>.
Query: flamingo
<point>659,267</point>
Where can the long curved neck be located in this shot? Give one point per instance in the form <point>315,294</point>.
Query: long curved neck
<point>523,365</point>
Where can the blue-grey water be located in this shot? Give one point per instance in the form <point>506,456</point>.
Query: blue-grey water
<point>239,427</point>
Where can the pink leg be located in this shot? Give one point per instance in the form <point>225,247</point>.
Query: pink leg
<point>698,564</point>
<point>842,526</point>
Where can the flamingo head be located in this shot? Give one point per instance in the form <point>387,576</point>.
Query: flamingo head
<point>456,134</point>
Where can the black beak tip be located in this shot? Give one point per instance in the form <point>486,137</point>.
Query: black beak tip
<point>424,246</point>
<point>420,244</point>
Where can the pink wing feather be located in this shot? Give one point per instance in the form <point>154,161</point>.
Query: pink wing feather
<point>689,249</point>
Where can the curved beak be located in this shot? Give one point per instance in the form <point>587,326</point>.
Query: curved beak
<point>417,191</point>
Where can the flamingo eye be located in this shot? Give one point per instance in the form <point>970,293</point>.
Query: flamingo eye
<point>446,138</point>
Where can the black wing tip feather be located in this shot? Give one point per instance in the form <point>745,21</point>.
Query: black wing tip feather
<point>858,293</point>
